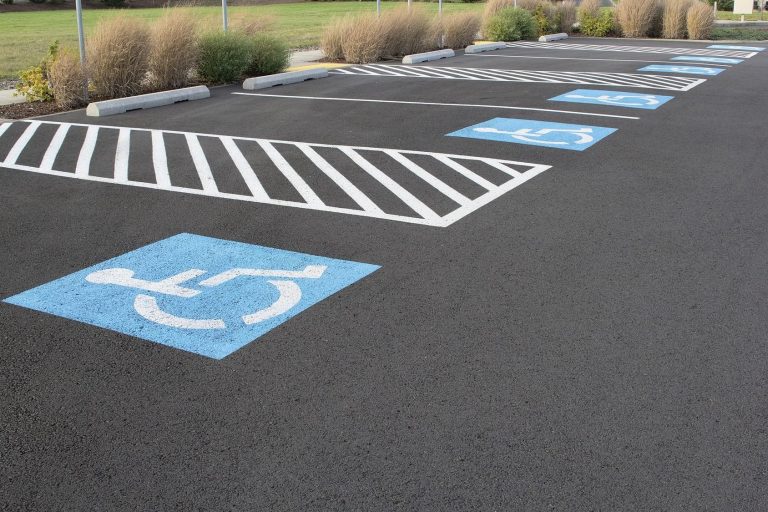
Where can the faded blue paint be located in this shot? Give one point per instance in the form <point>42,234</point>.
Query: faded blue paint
<point>691,70</point>
<point>536,133</point>
<point>112,306</point>
<point>614,98</point>
<point>713,60</point>
<point>734,47</point>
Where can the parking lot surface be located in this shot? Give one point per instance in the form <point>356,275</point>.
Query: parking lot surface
<point>528,279</point>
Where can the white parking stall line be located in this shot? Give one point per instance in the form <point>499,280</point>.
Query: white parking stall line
<point>160,160</point>
<point>53,148</point>
<point>3,127</point>
<point>122,153</point>
<point>632,49</point>
<point>388,169</point>
<point>201,164</point>
<point>641,80</point>
<point>546,57</point>
<point>21,143</point>
<point>435,104</point>
<point>86,152</point>
<point>245,169</point>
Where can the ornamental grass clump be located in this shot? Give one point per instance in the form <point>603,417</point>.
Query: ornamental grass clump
<point>459,30</point>
<point>699,20</point>
<point>118,52</point>
<point>364,42</point>
<point>174,45</point>
<point>637,17</point>
<point>67,79</point>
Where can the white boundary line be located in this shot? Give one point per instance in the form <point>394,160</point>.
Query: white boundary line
<point>609,60</point>
<point>428,103</point>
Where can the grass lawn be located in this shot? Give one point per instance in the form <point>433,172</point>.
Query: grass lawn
<point>25,36</point>
<point>728,15</point>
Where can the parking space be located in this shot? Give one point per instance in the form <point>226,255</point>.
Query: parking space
<point>479,269</point>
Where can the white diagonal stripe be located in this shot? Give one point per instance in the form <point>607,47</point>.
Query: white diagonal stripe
<point>21,143</point>
<point>122,153</point>
<point>479,180</point>
<point>86,151</point>
<point>201,164</point>
<point>246,171</point>
<point>350,189</point>
<point>160,160</point>
<point>289,172</point>
<point>53,148</point>
<point>455,195</point>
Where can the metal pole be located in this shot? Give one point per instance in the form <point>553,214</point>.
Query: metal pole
<point>81,41</point>
<point>378,7</point>
<point>224,14</point>
<point>440,7</point>
<point>409,4</point>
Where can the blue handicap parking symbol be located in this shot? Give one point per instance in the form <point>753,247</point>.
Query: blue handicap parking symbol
<point>616,99</point>
<point>713,60</point>
<point>536,133</point>
<point>733,47</point>
<point>691,70</point>
<point>195,293</point>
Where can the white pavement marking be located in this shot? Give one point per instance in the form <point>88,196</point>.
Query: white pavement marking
<point>4,127</point>
<point>122,153</point>
<point>246,171</point>
<point>147,307</point>
<point>642,80</point>
<point>632,49</point>
<point>21,143</point>
<point>290,295</point>
<point>429,103</point>
<point>53,148</point>
<point>643,61</point>
<point>389,163</point>
<point>289,172</point>
<point>338,178</point>
<point>86,152</point>
<point>201,164</point>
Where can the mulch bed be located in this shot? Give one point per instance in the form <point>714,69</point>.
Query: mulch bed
<point>32,109</point>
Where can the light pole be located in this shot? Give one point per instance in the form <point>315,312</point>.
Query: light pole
<point>81,41</point>
<point>224,14</point>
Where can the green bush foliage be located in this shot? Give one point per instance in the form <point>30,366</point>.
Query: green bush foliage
<point>34,83</point>
<point>600,25</point>
<point>224,56</point>
<point>723,5</point>
<point>6,2</point>
<point>268,56</point>
<point>546,20</point>
<point>510,24</point>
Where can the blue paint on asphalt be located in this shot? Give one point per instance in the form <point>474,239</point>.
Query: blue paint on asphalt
<point>113,305</point>
<point>536,133</point>
<point>614,98</point>
<point>732,47</point>
<point>713,60</point>
<point>691,70</point>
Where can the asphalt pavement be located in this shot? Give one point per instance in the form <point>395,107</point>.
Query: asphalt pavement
<point>475,297</point>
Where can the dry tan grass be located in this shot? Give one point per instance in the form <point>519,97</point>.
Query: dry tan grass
<point>637,17</point>
<point>492,7</point>
<point>459,30</point>
<point>699,20</point>
<point>173,49</point>
<point>406,31</point>
<point>333,37</point>
<point>531,5</point>
<point>566,14</point>
<point>67,79</point>
<point>365,40</point>
<point>673,18</point>
<point>589,8</point>
<point>117,57</point>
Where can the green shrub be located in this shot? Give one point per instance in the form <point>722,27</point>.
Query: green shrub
<point>510,24</point>
<point>268,56</point>
<point>37,1</point>
<point>114,3</point>
<point>600,25</point>
<point>34,83</point>
<point>545,18</point>
<point>224,56</point>
<point>6,2</point>
<point>723,5</point>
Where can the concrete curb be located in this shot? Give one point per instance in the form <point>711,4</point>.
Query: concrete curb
<point>553,37</point>
<point>484,47</point>
<point>142,101</point>
<point>427,56</point>
<point>290,77</point>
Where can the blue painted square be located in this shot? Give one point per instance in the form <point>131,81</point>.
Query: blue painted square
<point>195,293</point>
<point>615,99</point>
<point>575,137</point>
<point>713,60</point>
<point>690,70</point>
<point>734,47</point>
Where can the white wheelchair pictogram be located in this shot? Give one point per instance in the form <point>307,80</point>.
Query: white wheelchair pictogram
<point>527,135</point>
<point>686,69</point>
<point>148,307</point>
<point>621,99</point>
